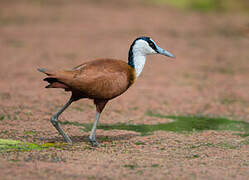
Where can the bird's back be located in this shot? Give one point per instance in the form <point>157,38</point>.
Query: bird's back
<point>98,79</point>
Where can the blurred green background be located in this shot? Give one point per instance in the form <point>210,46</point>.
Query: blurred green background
<point>207,5</point>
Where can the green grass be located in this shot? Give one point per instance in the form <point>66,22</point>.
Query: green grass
<point>2,117</point>
<point>242,135</point>
<point>131,166</point>
<point>205,5</point>
<point>32,132</point>
<point>14,145</point>
<point>201,5</point>
<point>155,165</point>
<point>72,123</point>
<point>180,124</point>
<point>140,143</point>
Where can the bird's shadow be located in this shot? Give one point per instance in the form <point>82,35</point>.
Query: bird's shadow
<point>85,138</point>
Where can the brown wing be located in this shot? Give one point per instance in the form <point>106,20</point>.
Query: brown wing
<point>98,79</point>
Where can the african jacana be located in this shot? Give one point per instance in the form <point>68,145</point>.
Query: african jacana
<point>101,79</point>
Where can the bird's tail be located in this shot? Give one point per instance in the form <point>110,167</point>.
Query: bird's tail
<point>52,80</point>
<point>45,71</point>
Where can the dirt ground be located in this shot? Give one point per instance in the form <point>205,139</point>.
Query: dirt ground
<point>209,77</point>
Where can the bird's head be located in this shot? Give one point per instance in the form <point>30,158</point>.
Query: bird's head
<point>145,46</point>
<point>139,49</point>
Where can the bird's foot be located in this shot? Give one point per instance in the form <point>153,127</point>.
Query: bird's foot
<point>94,142</point>
<point>54,121</point>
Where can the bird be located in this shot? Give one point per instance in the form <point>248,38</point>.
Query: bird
<point>101,80</point>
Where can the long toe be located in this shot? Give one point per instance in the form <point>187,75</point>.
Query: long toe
<point>94,143</point>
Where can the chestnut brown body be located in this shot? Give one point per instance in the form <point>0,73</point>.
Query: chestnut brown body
<point>101,79</point>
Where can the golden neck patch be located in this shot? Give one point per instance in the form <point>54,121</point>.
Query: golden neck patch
<point>132,75</point>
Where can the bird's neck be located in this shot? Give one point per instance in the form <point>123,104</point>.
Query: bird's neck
<point>136,60</point>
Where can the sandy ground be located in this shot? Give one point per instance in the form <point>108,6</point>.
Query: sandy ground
<point>208,77</point>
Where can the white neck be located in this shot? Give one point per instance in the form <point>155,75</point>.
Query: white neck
<point>139,62</point>
<point>137,55</point>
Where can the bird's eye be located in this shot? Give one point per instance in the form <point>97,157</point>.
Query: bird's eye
<point>151,44</point>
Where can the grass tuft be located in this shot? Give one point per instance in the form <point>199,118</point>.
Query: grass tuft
<point>2,117</point>
<point>180,124</point>
<point>131,166</point>
<point>14,145</point>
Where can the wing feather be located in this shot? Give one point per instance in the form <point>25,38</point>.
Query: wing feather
<point>99,79</point>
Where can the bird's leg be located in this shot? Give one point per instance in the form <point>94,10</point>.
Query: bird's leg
<point>100,104</point>
<point>54,121</point>
<point>92,135</point>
